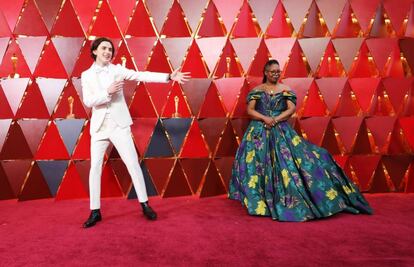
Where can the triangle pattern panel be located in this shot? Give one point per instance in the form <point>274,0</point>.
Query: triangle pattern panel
<point>53,171</point>
<point>193,11</point>
<point>176,129</point>
<point>35,186</point>
<point>140,24</point>
<point>11,11</point>
<point>160,170</point>
<point>71,185</point>
<point>70,130</point>
<point>158,9</point>
<point>228,11</point>
<point>159,145</point>
<point>175,24</point>
<point>16,172</point>
<point>224,166</point>
<point>50,57</point>
<point>31,47</point>
<point>30,22</point>
<point>52,145</point>
<point>5,109</point>
<point>105,24</point>
<point>212,184</point>
<point>194,168</point>
<point>314,27</point>
<point>122,11</point>
<point>195,90</point>
<point>149,184</point>
<point>176,105</point>
<point>194,145</point>
<point>263,11</point>
<point>67,16</point>
<point>32,105</point>
<point>122,174</point>
<point>296,11</point>
<point>4,129</point>
<point>15,146</point>
<point>331,11</point>
<point>211,25</point>
<point>14,64</point>
<point>245,26</point>
<point>33,131</point>
<point>176,48</point>
<point>177,185</point>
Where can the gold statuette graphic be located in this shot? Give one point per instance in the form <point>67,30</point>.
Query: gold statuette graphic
<point>14,60</point>
<point>123,61</point>
<point>176,114</point>
<point>228,61</point>
<point>70,115</point>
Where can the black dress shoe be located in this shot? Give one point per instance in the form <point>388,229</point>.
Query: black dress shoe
<point>94,217</point>
<point>148,211</point>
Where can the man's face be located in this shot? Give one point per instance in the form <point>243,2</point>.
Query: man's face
<point>103,53</point>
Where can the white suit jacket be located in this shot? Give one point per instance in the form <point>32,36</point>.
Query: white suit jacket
<point>97,98</point>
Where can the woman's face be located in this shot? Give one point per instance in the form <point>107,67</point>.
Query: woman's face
<point>273,73</point>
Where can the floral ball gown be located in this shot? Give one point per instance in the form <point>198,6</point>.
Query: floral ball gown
<point>277,173</point>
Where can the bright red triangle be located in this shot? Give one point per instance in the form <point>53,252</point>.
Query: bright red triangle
<point>49,58</point>
<point>228,66</point>
<point>395,66</point>
<point>109,183</point>
<point>347,105</point>
<point>31,23</point>
<point>397,13</point>
<point>158,61</point>
<point>260,59</point>
<point>296,67</point>
<point>48,10</point>
<point>397,166</point>
<point>330,65</point>
<point>300,86</point>
<point>71,186</point>
<point>183,109</point>
<point>33,106</point>
<point>4,27</point>
<point>142,130</point>
<point>212,106</point>
<point>140,24</point>
<point>6,67</point>
<point>194,145</point>
<point>62,109</point>
<point>365,91</point>
<point>364,11</point>
<point>84,60</point>
<point>362,143</point>
<point>52,146</point>
<point>380,183</point>
<point>175,25</point>
<point>82,150</point>
<point>330,141</point>
<point>407,125</point>
<point>67,16</point>
<point>245,25</point>
<point>105,24</point>
<point>364,168</point>
<point>224,166</point>
<point>347,27</point>
<point>211,26</point>
<point>159,94</point>
<point>141,105</point>
<point>380,49</point>
<point>229,89</point>
<point>178,184</point>
<point>193,63</point>
<point>363,67</point>
<point>279,26</point>
<point>331,11</point>
<point>314,105</point>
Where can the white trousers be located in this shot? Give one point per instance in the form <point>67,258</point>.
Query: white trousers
<point>122,140</point>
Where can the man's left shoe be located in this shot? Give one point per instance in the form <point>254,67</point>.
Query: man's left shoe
<point>148,211</point>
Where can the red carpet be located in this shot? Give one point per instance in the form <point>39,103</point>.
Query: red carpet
<point>211,231</point>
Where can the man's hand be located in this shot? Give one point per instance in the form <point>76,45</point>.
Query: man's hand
<point>115,87</point>
<point>180,77</point>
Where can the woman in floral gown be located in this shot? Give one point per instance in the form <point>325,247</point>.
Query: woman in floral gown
<point>277,173</point>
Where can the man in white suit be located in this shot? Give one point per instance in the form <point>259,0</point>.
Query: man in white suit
<point>102,86</point>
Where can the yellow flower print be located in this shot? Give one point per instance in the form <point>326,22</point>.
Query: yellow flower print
<point>298,161</point>
<point>253,181</point>
<point>249,137</point>
<point>286,178</point>
<point>296,140</point>
<point>331,194</point>
<point>261,208</point>
<point>316,154</point>
<point>250,156</point>
<point>347,189</point>
<point>245,201</point>
<point>266,179</point>
<point>286,93</point>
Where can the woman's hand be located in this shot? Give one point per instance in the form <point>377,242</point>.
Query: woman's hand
<point>115,87</point>
<point>268,122</point>
<point>180,77</point>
